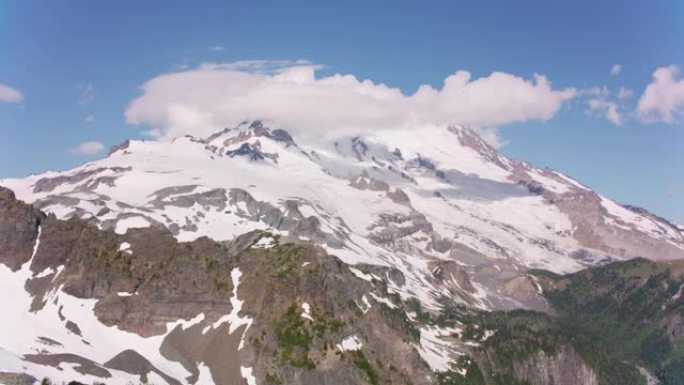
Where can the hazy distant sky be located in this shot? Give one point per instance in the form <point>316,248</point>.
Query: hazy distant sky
<point>612,115</point>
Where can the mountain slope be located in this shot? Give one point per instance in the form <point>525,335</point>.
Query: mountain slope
<point>95,306</point>
<point>456,218</point>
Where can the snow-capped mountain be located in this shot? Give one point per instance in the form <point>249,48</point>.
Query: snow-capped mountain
<point>454,216</point>
<point>434,214</point>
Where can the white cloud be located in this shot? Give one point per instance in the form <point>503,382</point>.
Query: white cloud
<point>217,48</point>
<point>89,119</point>
<point>616,69</point>
<point>603,102</point>
<point>663,99</point>
<point>88,148</point>
<point>606,108</point>
<point>87,93</point>
<point>624,93</point>
<point>213,96</point>
<point>10,95</point>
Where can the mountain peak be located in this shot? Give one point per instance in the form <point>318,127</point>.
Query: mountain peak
<point>247,130</point>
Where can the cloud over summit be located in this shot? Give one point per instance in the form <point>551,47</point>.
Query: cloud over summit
<point>213,96</point>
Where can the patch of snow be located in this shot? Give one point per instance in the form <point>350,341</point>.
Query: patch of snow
<point>104,341</point>
<point>678,294</point>
<point>366,304</point>
<point>233,318</point>
<point>306,311</point>
<point>125,247</point>
<point>631,219</point>
<point>37,243</point>
<point>204,378</point>
<point>264,243</point>
<point>246,373</point>
<point>650,378</point>
<point>351,343</point>
<point>44,273</point>
<point>487,334</point>
<point>434,350</point>
<point>536,283</point>
<point>130,223</point>
<point>549,183</point>
<point>570,180</point>
<point>383,300</point>
<point>362,275</point>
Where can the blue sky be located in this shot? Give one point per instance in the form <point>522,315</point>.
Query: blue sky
<point>79,64</point>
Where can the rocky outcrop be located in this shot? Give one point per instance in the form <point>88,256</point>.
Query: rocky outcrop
<point>391,227</point>
<point>252,152</point>
<point>49,184</point>
<point>18,229</point>
<point>565,367</point>
<point>145,279</point>
<point>130,361</point>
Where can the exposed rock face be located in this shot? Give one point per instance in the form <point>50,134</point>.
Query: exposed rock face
<point>131,362</point>
<point>525,289</point>
<point>17,379</point>
<point>120,147</point>
<point>48,184</point>
<point>565,367</point>
<point>391,227</point>
<point>82,365</point>
<point>595,228</point>
<point>252,152</point>
<point>18,230</point>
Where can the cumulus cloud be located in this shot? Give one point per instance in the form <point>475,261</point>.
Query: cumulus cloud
<point>606,108</point>
<point>603,102</point>
<point>88,148</point>
<point>214,96</point>
<point>663,99</point>
<point>616,69</point>
<point>10,95</point>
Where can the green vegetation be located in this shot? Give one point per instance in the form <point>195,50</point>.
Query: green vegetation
<point>362,363</point>
<point>414,305</point>
<point>615,317</point>
<point>273,379</point>
<point>287,259</point>
<point>294,339</point>
<point>296,335</point>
